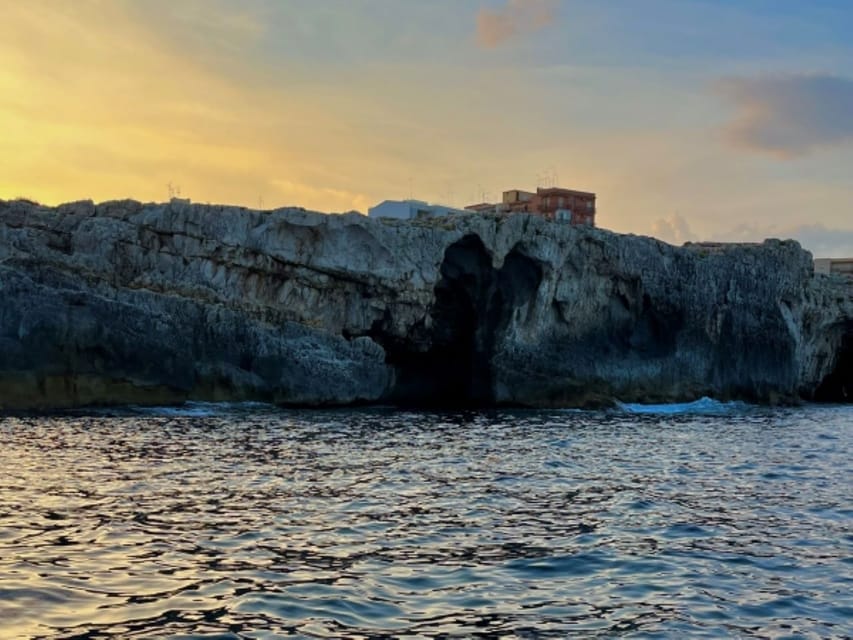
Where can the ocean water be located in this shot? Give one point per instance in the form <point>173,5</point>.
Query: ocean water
<point>210,521</point>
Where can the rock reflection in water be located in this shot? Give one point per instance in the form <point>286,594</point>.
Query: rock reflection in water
<point>253,523</point>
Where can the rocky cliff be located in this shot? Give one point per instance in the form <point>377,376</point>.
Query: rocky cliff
<point>125,302</point>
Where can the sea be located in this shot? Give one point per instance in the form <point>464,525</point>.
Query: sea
<point>208,521</point>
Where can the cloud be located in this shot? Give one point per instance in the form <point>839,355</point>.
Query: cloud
<point>673,230</point>
<point>515,18</point>
<point>822,241</point>
<point>295,194</point>
<point>791,115</point>
<point>138,113</point>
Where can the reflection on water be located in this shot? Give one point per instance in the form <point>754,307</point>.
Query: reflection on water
<point>252,523</point>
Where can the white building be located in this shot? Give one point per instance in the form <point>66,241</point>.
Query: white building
<point>842,266</point>
<point>410,209</point>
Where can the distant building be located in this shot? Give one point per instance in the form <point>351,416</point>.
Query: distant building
<point>841,266</point>
<point>410,209</point>
<point>483,207</point>
<point>709,248</point>
<point>554,203</point>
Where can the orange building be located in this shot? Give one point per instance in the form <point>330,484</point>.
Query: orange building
<point>554,203</point>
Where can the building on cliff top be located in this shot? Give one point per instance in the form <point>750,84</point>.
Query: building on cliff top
<point>713,247</point>
<point>410,209</point>
<point>841,266</point>
<point>554,203</point>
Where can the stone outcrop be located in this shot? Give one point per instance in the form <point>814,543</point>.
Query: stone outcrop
<point>125,302</point>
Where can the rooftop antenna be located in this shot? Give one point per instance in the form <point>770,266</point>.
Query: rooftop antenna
<point>481,192</point>
<point>447,194</point>
<point>548,178</point>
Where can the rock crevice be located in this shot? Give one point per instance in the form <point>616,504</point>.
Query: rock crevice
<point>837,385</point>
<point>447,358</point>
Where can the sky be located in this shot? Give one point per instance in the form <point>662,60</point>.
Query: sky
<point>691,119</point>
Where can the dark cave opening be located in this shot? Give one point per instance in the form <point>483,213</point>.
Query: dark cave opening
<point>448,364</point>
<point>838,385</point>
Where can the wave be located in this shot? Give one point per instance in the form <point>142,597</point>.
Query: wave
<point>703,405</point>
<point>201,409</point>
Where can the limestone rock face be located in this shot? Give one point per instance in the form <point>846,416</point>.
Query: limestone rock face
<point>129,303</point>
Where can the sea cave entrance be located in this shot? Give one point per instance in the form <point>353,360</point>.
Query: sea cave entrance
<point>447,362</point>
<point>838,385</point>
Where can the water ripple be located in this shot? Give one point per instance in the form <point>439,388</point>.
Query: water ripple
<point>248,522</point>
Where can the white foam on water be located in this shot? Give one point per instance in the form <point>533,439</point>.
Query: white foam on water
<point>701,406</point>
<point>201,409</point>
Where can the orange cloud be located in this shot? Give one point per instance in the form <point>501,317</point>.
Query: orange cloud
<point>516,18</point>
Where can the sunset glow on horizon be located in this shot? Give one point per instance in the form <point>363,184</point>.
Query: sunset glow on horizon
<point>691,119</point>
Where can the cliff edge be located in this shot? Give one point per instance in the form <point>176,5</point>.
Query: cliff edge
<point>124,302</point>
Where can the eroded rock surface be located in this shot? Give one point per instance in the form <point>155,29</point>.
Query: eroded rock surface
<point>129,303</point>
